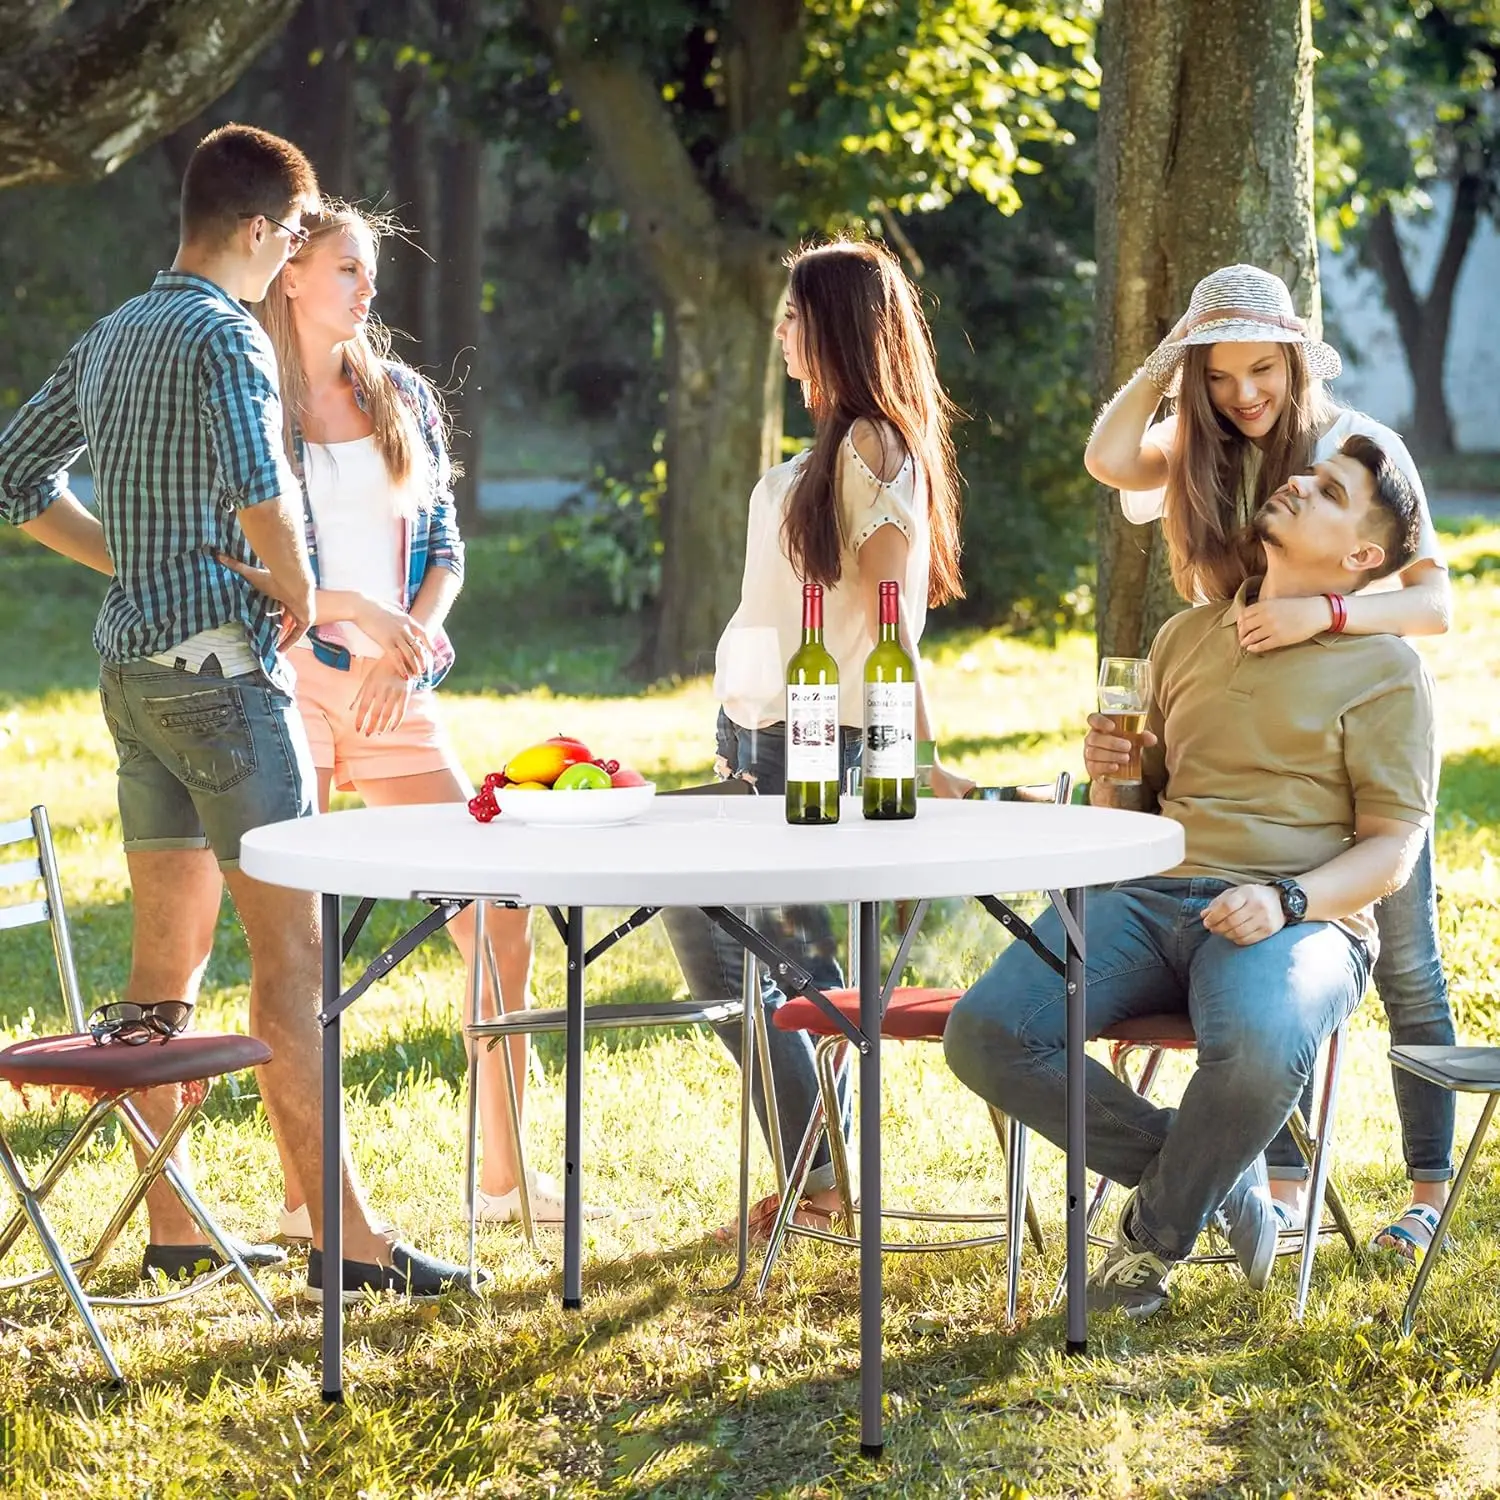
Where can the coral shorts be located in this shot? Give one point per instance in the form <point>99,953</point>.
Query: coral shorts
<point>326,697</point>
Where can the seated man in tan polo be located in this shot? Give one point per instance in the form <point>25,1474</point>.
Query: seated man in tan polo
<point>1303,779</point>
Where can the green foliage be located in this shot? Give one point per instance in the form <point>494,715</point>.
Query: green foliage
<point>908,104</point>
<point>608,541</point>
<point>1406,97</point>
<point>1011,303</point>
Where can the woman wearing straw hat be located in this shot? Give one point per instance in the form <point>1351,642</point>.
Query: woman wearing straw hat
<point>1251,410</point>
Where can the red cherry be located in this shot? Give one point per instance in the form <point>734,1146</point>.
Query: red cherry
<point>494,779</point>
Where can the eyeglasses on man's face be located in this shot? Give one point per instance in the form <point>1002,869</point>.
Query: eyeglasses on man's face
<point>298,237</point>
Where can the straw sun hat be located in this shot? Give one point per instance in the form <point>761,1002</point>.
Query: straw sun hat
<point>1240,305</point>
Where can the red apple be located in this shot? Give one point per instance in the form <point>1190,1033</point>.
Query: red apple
<point>627,776</point>
<point>576,748</point>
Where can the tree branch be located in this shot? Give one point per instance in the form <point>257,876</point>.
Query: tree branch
<point>1386,256</point>
<point>622,110</point>
<point>760,64</point>
<point>84,88</point>
<point>1462,221</point>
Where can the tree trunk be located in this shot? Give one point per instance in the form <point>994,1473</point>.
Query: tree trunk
<point>1424,322</point>
<point>723,428</point>
<point>460,318</point>
<point>406,279</point>
<point>1205,159</point>
<point>84,87</point>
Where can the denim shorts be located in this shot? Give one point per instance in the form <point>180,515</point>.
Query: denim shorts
<point>203,758</point>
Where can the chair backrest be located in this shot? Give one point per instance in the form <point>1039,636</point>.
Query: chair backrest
<point>733,786</point>
<point>1050,792</point>
<point>20,867</point>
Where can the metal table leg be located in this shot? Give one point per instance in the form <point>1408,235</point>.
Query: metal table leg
<point>573,1118</point>
<point>1077,1187</point>
<point>333,1155</point>
<point>872,1440</point>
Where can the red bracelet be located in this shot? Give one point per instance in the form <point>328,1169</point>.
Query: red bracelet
<point>1340,612</point>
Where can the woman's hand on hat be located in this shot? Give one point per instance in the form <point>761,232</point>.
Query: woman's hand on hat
<point>1270,624</point>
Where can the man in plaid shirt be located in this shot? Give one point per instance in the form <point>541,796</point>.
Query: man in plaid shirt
<point>175,396</point>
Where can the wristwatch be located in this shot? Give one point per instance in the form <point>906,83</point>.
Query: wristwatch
<point>1293,900</point>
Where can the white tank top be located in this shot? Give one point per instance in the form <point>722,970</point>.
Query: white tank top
<point>358,520</point>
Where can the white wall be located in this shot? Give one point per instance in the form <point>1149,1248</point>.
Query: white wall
<point>1375,378</point>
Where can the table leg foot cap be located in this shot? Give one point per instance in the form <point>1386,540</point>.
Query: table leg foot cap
<point>572,1304</point>
<point>1078,1346</point>
<point>871,1450</point>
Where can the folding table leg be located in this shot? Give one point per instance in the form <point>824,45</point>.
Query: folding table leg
<point>573,1119</point>
<point>1440,1234</point>
<point>333,1156</point>
<point>872,1440</point>
<point>1077,1186</point>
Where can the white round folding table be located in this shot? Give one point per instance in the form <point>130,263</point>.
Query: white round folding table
<point>713,853</point>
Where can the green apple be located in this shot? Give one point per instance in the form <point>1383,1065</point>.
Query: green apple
<point>584,777</point>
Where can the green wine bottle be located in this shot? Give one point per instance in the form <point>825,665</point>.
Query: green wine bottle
<point>813,765</point>
<point>890,769</point>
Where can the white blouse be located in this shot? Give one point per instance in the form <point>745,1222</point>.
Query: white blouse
<point>766,629</point>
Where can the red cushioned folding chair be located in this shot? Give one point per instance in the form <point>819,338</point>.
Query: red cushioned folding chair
<point>106,1077</point>
<point>907,1015</point>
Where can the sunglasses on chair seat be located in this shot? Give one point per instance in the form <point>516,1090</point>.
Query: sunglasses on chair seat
<point>134,1025</point>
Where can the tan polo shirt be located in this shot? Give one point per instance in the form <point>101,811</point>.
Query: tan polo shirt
<point>1265,759</point>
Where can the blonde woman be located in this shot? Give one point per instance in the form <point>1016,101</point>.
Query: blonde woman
<point>365,434</point>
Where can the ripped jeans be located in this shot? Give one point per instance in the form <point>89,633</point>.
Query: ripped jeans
<point>712,962</point>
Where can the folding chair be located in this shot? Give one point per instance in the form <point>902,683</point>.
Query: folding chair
<point>1159,1034</point>
<point>1466,1070</point>
<point>106,1077</point>
<point>907,1015</point>
<point>495,1030</point>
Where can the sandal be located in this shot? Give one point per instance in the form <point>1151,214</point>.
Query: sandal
<point>763,1220</point>
<point>1411,1235</point>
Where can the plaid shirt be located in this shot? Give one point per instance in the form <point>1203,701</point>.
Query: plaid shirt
<point>175,396</point>
<point>431,538</point>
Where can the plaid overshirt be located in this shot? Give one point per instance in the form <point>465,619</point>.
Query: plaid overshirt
<point>431,537</point>
<point>176,398</point>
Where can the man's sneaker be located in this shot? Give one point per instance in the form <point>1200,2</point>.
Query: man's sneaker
<point>422,1278</point>
<point>1131,1279</point>
<point>184,1262</point>
<point>1247,1219</point>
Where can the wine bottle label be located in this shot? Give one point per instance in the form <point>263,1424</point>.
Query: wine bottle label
<point>890,730</point>
<point>812,733</point>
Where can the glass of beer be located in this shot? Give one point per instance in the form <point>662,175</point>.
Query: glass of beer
<point>1125,697</point>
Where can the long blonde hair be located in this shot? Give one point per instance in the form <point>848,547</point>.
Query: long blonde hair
<point>398,437</point>
<point>1211,547</point>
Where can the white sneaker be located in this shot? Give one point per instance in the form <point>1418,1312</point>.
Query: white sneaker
<point>546,1203</point>
<point>294,1224</point>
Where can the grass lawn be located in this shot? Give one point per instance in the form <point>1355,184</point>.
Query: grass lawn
<point>656,1388</point>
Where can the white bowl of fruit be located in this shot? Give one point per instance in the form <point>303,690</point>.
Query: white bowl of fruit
<point>560,783</point>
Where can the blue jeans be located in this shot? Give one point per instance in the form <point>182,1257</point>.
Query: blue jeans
<point>203,758</point>
<point>712,962</point>
<point>1414,991</point>
<point>1260,1014</point>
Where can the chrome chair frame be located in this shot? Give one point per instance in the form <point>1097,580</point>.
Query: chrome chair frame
<point>1316,1150</point>
<point>73,1273</point>
<point>495,1032</point>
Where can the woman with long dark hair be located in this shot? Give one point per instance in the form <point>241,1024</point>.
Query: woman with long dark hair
<point>1251,410</point>
<point>875,497</point>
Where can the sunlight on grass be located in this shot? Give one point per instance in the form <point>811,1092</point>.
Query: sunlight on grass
<point>657,1388</point>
